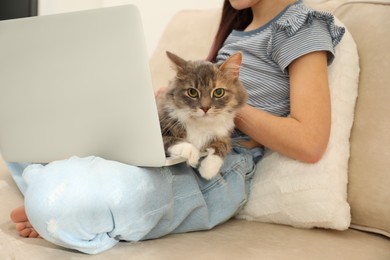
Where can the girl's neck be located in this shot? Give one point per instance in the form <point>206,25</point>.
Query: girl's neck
<point>266,10</point>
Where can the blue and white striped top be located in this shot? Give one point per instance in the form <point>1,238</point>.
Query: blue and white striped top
<point>268,50</point>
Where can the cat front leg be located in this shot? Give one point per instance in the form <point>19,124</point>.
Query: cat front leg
<point>210,166</point>
<point>216,153</point>
<point>187,151</point>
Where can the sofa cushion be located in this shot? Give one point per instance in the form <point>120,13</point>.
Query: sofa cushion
<point>290,192</point>
<point>369,174</point>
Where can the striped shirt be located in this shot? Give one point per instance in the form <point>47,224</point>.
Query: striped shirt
<point>268,50</point>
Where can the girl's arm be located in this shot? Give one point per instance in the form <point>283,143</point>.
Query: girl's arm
<point>305,134</point>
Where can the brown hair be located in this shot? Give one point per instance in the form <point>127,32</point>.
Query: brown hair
<point>231,19</point>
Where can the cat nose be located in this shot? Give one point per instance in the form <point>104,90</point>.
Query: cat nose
<point>205,109</point>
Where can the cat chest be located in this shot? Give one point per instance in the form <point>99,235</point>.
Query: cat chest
<point>201,135</point>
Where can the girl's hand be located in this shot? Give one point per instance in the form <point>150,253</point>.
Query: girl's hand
<point>160,92</point>
<point>249,144</point>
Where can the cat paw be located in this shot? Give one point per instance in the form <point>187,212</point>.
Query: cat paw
<point>210,166</point>
<point>187,151</point>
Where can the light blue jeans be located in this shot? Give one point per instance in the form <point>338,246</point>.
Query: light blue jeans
<point>90,204</point>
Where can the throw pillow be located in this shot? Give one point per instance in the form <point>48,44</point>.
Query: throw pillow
<point>286,191</point>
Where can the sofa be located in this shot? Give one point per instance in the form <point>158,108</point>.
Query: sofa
<point>190,34</point>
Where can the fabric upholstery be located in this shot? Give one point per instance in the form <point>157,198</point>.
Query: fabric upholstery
<point>369,174</point>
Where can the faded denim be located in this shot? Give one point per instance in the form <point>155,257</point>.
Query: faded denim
<point>90,204</point>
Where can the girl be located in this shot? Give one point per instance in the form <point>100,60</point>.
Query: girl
<point>90,204</point>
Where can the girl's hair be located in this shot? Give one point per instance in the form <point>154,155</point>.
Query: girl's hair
<point>231,19</point>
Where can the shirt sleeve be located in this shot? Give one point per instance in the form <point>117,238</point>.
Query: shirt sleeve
<point>306,32</point>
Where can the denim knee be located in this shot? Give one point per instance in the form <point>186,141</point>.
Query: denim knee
<point>89,204</point>
<point>68,211</point>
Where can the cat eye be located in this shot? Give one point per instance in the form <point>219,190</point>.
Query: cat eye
<point>192,93</point>
<point>219,92</point>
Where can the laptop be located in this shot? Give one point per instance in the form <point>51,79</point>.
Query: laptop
<point>78,84</point>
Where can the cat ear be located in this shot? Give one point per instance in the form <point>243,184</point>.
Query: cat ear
<point>178,62</point>
<point>231,67</point>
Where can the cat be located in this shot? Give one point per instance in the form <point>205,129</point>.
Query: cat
<point>197,111</point>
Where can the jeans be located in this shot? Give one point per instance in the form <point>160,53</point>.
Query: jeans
<point>90,204</point>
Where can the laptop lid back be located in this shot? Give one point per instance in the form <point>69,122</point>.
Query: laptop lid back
<point>78,84</point>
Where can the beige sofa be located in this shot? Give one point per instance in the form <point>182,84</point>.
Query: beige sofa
<point>190,34</point>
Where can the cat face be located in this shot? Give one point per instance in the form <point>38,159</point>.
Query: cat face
<point>203,90</point>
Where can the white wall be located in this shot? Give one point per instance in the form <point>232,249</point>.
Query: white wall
<point>156,13</point>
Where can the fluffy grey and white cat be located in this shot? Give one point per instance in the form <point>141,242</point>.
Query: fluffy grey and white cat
<point>198,108</point>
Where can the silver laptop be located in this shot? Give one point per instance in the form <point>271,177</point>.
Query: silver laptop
<point>78,84</point>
